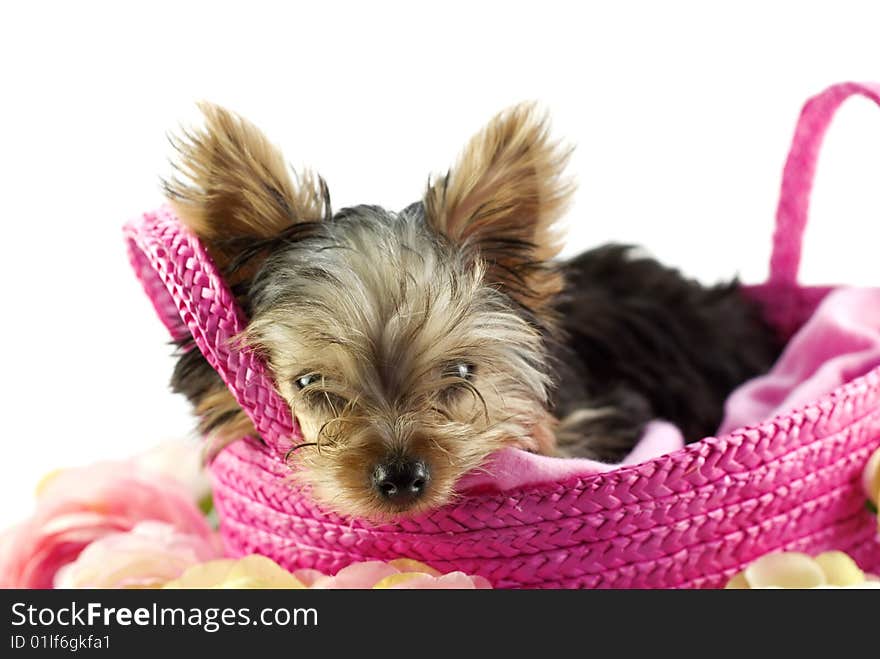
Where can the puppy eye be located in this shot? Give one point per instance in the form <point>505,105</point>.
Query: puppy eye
<point>462,370</point>
<point>306,380</point>
<point>460,375</point>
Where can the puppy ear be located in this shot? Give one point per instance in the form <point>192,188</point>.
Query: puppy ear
<point>233,189</point>
<point>501,202</point>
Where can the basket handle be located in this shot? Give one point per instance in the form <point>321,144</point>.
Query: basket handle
<point>797,177</point>
<point>191,298</point>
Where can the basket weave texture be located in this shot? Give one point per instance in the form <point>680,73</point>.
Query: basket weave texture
<point>688,519</point>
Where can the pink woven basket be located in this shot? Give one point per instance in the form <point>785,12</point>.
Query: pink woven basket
<point>688,519</point>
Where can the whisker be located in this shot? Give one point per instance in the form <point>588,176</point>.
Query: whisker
<point>442,449</point>
<point>294,449</point>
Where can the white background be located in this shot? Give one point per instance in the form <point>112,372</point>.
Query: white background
<point>681,113</point>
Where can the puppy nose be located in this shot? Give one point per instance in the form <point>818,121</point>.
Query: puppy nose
<point>401,481</point>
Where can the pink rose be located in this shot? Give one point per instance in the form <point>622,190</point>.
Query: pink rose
<point>78,506</point>
<point>397,574</point>
<point>182,460</point>
<point>256,571</point>
<point>148,556</point>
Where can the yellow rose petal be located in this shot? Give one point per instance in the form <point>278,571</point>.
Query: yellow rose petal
<point>409,565</point>
<point>839,569</point>
<point>394,579</point>
<point>784,570</point>
<point>737,582</point>
<point>260,569</point>
<point>204,575</point>
<point>252,572</point>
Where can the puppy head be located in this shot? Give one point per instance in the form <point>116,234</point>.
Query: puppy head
<point>409,345</point>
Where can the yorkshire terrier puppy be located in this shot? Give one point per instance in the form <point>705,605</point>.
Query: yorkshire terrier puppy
<point>411,345</point>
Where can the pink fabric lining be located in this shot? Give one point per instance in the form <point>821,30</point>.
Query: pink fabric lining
<point>513,468</point>
<point>839,343</point>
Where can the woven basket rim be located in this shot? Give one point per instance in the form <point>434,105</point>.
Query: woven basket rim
<point>693,452</point>
<point>399,529</point>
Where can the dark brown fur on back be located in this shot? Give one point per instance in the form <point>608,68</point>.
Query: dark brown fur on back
<point>643,342</point>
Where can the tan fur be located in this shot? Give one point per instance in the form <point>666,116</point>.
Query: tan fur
<point>569,434</point>
<point>382,335</point>
<point>221,404</point>
<point>233,184</point>
<point>508,184</point>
